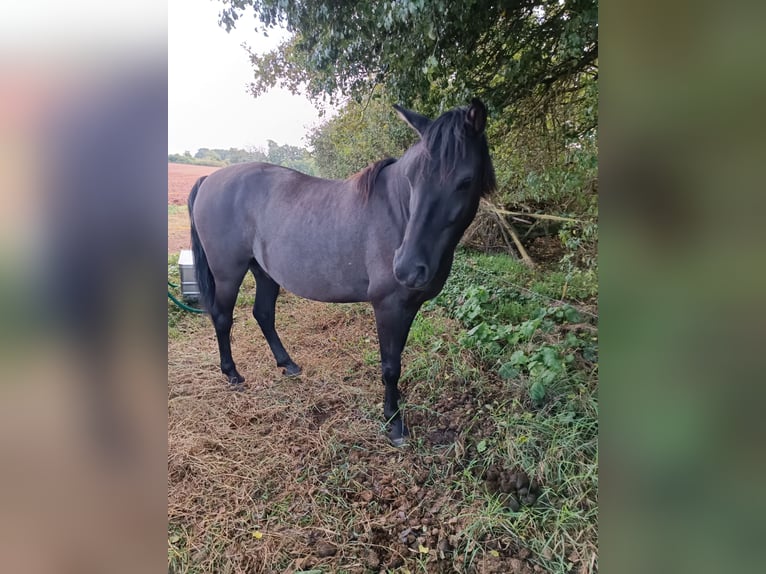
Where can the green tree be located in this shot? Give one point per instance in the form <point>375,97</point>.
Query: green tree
<point>204,153</point>
<point>440,52</point>
<point>290,156</point>
<point>357,136</point>
<point>279,154</point>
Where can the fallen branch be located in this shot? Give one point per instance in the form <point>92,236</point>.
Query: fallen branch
<point>504,233</point>
<point>505,226</point>
<point>490,207</point>
<point>531,228</point>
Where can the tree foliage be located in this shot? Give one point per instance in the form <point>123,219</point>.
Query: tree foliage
<point>440,52</point>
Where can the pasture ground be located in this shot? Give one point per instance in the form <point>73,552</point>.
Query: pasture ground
<point>181,178</point>
<point>296,475</point>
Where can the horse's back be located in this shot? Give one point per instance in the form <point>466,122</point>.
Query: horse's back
<point>245,186</point>
<point>239,178</point>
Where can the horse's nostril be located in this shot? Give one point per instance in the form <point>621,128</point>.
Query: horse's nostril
<point>417,277</point>
<point>413,276</point>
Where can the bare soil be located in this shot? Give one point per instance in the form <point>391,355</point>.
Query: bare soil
<point>181,178</point>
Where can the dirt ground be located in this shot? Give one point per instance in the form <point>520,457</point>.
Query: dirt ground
<point>181,178</point>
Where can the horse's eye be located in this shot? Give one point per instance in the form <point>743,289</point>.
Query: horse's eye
<point>454,214</point>
<point>465,184</point>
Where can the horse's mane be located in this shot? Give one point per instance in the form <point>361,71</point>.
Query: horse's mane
<point>365,179</point>
<point>444,142</point>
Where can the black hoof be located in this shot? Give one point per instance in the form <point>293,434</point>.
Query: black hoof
<point>236,382</point>
<point>399,433</point>
<point>291,370</point>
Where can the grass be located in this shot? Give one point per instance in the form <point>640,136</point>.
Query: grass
<point>304,462</point>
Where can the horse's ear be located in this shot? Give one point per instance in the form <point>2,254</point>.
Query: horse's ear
<point>476,117</point>
<point>417,122</point>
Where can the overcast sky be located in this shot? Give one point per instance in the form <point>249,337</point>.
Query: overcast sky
<point>208,74</point>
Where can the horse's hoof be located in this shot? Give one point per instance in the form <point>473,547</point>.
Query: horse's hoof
<point>398,434</point>
<point>398,442</point>
<point>236,382</point>
<point>292,370</point>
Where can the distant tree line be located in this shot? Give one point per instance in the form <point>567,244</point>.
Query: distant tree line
<point>293,157</point>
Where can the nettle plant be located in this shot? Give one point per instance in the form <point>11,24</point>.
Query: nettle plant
<point>534,349</point>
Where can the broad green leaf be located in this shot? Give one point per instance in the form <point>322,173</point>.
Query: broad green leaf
<point>518,358</point>
<point>537,392</point>
<point>508,371</point>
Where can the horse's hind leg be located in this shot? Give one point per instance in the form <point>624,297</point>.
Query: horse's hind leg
<point>266,293</point>
<point>222,315</point>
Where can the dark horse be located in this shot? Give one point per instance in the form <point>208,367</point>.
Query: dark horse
<point>386,235</point>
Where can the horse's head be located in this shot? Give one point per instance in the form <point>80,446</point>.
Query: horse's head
<point>448,171</point>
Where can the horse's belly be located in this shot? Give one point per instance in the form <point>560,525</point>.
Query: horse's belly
<point>322,264</point>
<point>342,286</point>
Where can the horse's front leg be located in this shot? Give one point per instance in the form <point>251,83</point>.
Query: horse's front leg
<point>393,321</point>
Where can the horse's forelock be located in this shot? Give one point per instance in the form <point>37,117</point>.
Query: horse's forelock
<point>444,142</point>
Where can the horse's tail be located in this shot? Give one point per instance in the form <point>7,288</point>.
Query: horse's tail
<point>205,281</point>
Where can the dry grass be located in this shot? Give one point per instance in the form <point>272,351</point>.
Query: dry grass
<point>266,460</point>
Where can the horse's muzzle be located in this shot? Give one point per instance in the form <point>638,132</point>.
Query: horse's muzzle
<point>412,276</point>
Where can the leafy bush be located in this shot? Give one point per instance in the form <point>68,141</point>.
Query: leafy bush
<point>358,136</point>
<point>515,330</point>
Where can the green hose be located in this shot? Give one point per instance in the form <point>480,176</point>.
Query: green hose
<point>181,304</point>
